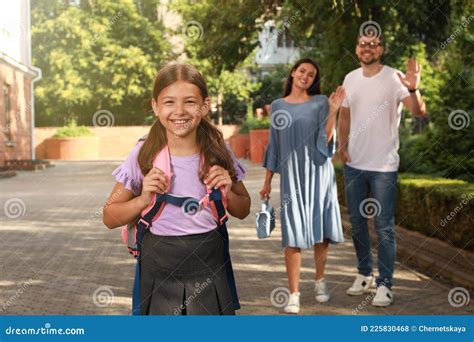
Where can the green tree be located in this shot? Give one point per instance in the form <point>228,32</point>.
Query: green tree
<point>328,30</point>
<point>447,146</point>
<point>220,41</point>
<point>271,86</point>
<point>420,28</point>
<point>99,55</point>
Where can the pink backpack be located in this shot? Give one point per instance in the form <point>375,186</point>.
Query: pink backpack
<point>133,232</point>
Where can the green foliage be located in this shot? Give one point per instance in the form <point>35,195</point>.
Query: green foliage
<point>432,82</point>
<point>446,147</point>
<point>233,109</point>
<point>331,42</point>
<point>220,43</point>
<point>224,36</point>
<point>254,123</point>
<point>425,203</point>
<point>99,55</point>
<point>271,86</point>
<point>436,207</point>
<point>72,130</point>
<point>104,55</point>
<point>423,29</point>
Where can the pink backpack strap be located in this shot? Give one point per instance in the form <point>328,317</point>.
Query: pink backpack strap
<point>162,161</point>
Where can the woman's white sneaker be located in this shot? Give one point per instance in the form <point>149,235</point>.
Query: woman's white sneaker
<point>383,297</point>
<point>293,306</point>
<point>321,289</point>
<point>361,285</point>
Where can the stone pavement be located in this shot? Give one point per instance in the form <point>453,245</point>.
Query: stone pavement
<point>57,258</point>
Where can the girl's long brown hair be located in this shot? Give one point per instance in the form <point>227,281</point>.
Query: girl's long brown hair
<point>208,137</point>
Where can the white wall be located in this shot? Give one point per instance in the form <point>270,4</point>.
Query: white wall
<point>15,30</point>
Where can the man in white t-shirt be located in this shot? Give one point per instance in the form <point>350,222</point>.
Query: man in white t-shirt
<point>368,146</point>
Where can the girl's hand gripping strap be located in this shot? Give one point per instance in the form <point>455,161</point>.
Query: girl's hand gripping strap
<point>217,200</point>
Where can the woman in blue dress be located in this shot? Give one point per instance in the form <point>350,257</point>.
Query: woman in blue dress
<point>301,144</point>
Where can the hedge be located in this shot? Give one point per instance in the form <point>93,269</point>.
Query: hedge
<point>436,207</point>
<point>72,130</point>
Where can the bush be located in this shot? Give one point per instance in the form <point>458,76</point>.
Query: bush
<point>413,155</point>
<point>233,109</point>
<point>254,123</point>
<point>436,207</point>
<point>427,153</point>
<point>72,130</point>
<point>271,86</point>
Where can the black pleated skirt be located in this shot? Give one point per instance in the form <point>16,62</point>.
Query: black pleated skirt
<point>184,275</point>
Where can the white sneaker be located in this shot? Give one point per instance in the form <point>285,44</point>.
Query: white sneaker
<point>383,297</point>
<point>293,306</point>
<point>321,289</point>
<point>361,285</point>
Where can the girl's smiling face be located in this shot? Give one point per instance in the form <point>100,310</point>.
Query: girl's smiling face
<point>180,107</point>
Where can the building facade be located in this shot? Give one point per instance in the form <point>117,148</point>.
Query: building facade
<point>275,47</point>
<point>17,77</point>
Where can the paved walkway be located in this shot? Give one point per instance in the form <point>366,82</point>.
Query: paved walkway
<point>56,256</point>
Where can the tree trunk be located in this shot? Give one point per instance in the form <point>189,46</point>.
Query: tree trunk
<point>219,108</point>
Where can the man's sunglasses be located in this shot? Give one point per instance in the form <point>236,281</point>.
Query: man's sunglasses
<point>371,45</point>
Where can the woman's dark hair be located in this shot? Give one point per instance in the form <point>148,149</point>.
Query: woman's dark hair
<point>314,89</point>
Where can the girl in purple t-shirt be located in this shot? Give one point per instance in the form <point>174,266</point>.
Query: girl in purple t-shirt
<point>183,268</point>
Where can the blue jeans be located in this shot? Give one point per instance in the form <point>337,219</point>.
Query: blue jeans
<point>372,193</point>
